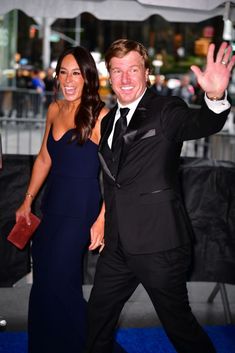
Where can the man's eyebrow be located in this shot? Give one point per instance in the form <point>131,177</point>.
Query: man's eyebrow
<point>119,68</point>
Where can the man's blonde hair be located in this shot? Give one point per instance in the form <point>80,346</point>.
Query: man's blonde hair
<point>121,47</point>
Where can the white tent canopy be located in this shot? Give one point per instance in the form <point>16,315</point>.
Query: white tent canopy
<point>45,12</point>
<point>126,10</point>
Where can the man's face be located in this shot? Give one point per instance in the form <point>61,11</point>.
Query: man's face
<point>128,77</point>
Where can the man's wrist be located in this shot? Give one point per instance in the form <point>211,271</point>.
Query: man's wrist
<point>216,98</point>
<point>217,106</point>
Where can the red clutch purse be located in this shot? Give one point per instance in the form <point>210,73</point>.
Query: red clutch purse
<point>22,232</point>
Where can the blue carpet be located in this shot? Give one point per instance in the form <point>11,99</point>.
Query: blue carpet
<point>135,340</point>
<point>154,340</point>
<point>13,342</point>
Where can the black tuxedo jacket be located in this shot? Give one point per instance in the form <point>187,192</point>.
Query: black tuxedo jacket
<point>143,205</point>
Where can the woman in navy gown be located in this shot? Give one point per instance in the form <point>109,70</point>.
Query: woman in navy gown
<point>71,207</point>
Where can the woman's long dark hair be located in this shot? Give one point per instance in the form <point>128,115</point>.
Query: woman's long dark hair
<point>91,104</point>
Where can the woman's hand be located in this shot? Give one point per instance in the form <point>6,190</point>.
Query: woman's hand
<point>24,211</point>
<point>97,234</point>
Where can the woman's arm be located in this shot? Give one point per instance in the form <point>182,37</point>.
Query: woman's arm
<point>97,229</point>
<point>40,171</point>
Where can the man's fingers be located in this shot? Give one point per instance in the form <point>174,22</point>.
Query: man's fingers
<point>227,54</point>
<point>210,53</point>
<point>231,63</point>
<point>196,70</point>
<point>221,52</point>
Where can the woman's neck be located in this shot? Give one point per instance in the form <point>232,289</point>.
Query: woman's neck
<point>71,107</point>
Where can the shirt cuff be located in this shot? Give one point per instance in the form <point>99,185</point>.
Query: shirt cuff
<point>218,106</point>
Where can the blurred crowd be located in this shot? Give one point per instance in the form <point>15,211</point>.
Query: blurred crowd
<point>181,86</point>
<point>34,90</point>
<point>31,94</point>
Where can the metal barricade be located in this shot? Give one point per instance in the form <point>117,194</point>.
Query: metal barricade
<point>22,102</point>
<point>223,146</point>
<point>21,135</point>
<point>22,119</point>
<point>22,123</point>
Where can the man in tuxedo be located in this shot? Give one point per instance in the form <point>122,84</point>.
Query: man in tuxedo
<point>148,237</point>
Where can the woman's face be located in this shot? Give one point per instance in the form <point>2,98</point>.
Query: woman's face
<point>70,78</point>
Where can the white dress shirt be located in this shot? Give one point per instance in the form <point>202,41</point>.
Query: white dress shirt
<point>132,106</point>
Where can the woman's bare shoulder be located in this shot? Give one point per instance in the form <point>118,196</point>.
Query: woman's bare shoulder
<point>54,109</point>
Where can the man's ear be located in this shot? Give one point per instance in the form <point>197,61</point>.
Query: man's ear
<point>147,75</point>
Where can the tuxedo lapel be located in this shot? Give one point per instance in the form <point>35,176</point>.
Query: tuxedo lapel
<point>138,120</point>
<point>140,114</point>
<point>105,166</point>
<point>107,125</point>
<point>105,153</point>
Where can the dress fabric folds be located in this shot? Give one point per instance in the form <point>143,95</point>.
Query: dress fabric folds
<point>71,203</point>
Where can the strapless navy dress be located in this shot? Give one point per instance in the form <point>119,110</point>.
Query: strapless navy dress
<point>71,203</point>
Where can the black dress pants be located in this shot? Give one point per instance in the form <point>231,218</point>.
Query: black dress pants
<point>164,276</point>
